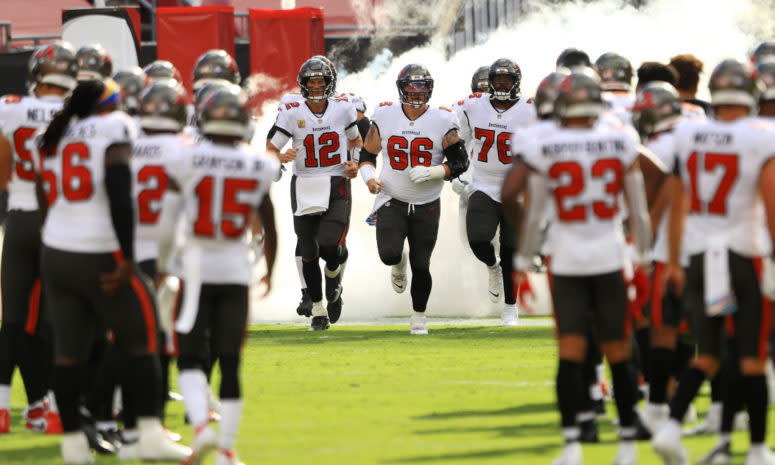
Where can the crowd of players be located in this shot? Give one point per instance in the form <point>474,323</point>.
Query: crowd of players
<point>651,211</point>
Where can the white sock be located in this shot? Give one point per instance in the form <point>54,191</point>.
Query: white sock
<point>52,402</point>
<point>193,386</point>
<point>5,396</point>
<point>300,268</point>
<point>318,309</point>
<point>231,414</point>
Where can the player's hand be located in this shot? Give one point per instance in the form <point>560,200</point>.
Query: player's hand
<point>266,281</point>
<point>375,187</point>
<point>419,174</point>
<point>458,186</point>
<point>676,276</point>
<point>351,169</point>
<point>112,282</point>
<point>288,155</point>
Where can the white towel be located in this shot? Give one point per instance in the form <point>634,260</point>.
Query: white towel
<point>192,257</point>
<point>312,194</point>
<point>719,298</point>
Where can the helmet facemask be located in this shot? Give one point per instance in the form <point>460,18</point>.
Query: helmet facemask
<point>415,92</point>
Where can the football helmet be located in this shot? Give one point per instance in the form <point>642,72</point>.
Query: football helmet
<point>333,70</point>
<point>657,108</point>
<point>415,85</point>
<point>579,96</point>
<point>132,82</point>
<point>162,69</point>
<point>163,106</point>
<point>480,80</point>
<point>225,112</point>
<point>93,62</point>
<point>764,49</point>
<point>766,71</point>
<point>215,64</point>
<point>733,83</point>
<point>315,68</point>
<point>615,71</point>
<point>55,64</point>
<point>504,67</point>
<point>571,58</point>
<point>547,92</point>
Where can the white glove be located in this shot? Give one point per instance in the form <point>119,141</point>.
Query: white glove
<point>458,186</point>
<point>768,278</point>
<point>420,174</point>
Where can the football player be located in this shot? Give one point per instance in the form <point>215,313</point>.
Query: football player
<point>221,183</point>
<point>585,166</point>
<point>93,62</point>
<point>689,68</point>
<point>615,73</point>
<point>132,81</point>
<point>414,139</point>
<point>489,120</point>
<point>572,59</point>
<point>305,304</point>
<point>724,166</point>
<point>325,144</point>
<point>24,338</point>
<point>162,69</point>
<point>480,81</point>
<point>88,258</point>
<point>766,70</point>
<point>763,50</point>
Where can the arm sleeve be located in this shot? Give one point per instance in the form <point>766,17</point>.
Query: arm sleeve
<point>118,183</point>
<point>282,130</point>
<point>530,236</point>
<point>639,213</point>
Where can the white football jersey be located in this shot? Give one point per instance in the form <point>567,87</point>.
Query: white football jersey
<point>78,217</point>
<point>149,182</point>
<point>583,171</point>
<point>408,143</point>
<point>662,146</point>
<point>221,187</point>
<point>620,104</point>
<point>20,117</point>
<point>720,163</point>
<point>492,130</point>
<point>322,139</point>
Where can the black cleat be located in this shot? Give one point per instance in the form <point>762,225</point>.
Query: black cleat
<point>305,305</point>
<point>721,453</point>
<point>97,443</point>
<point>600,408</point>
<point>334,310</point>
<point>588,432</point>
<point>319,323</point>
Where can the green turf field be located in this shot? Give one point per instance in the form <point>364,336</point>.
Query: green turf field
<point>375,395</point>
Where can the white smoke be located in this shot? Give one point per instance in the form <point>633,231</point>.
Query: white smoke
<point>710,29</point>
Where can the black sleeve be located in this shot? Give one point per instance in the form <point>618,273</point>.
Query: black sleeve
<point>367,156</point>
<point>272,130</point>
<point>118,183</point>
<point>363,127</point>
<point>676,167</point>
<point>3,205</point>
<point>457,159</point>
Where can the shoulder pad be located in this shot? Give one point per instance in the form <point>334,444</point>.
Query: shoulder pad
<point>385,104</point>
<point>445,108</point>
<point>475,95</point>
<point>13,98</point>
<point>291,105</point>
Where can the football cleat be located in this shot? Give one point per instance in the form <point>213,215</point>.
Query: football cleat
<point>761,455</point>
<point>35,416</point>
<point>627,454</point>
<point>417,325</point>
<point>398,275</point>
<point>655,415</point>
<point>319,323</point>
<point>667,444</point>
<point>721,454</point>
<point>571,455</point>
<point>495,282</point>
<point>335,309</point>
<point>334,283</point>
<point>305,305</point>
<point>5,421</point>
<point>75,449</point>
<point>510,315</point>
<point>205,441</point>
<point>96,442</point>
<point>227,457</point>
<point>156,447</point>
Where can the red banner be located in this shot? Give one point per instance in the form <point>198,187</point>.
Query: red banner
<point>280,41</point>
<point>183,34</point>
